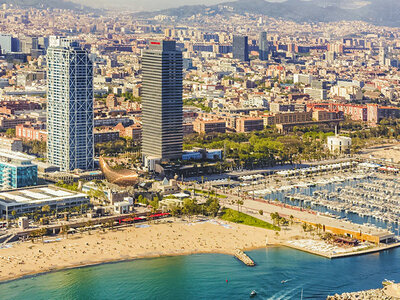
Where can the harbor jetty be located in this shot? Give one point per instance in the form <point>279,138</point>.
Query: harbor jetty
<point>389,292</point>
<point>243,257</point>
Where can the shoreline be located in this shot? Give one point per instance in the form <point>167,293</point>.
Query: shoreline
<point>25,259</point>
<point>123,260</point>
<point>174,253</point>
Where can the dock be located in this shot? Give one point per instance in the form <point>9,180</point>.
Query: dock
<point>244,258</point>
<point>344,254</point>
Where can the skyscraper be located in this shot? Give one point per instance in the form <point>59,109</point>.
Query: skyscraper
<point>162,101</point>
<point>263,47</point>
<point>69,106</point>
<point>382,56</point>
<point>240,48</point>
<point>8,43</point>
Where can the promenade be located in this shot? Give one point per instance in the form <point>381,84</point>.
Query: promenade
<point>253,207</point>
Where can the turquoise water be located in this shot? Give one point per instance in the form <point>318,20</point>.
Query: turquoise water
<point>203,276</point>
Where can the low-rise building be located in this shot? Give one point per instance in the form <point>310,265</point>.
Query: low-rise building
<point>316,94</point>
<point>133,131</point>
<point>187,129</point>
<point>27,200</point>
<point>11,121</point>
<point>249,124</point>
<point>104,135</point>
<point>339,144</point>
<point>209,126</point>
<point>11,107</point>
<point>166,186</point>
<point>17,170</point>
<point>122,207</point>
<point>11,144</point>
<point>31,132</point>
<point>287,118</point>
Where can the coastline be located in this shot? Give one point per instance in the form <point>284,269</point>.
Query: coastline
<point>75,252</point>
<point>25,259</point>
<point>122,260</point>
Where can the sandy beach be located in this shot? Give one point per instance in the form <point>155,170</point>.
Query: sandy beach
<point>27,258</point>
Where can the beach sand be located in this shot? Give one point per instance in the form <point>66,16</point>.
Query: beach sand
<point>27,258</point>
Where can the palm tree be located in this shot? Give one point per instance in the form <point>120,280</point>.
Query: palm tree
<point>274,217</point>
<point>14,213</point>
<point>45,209</point>
<point>64,229</point>
<point>239,203</point>
<point>319,227</point>
<point>89,225</point>
<point>33,235</point>
<point>42,232</point>
<point>110,223</point>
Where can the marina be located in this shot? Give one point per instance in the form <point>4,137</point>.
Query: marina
<point>366,197</point>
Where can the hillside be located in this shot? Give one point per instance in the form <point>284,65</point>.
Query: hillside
<point>379,12</point>
<point>45,4</point>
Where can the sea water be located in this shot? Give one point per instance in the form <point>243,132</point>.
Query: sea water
<point>280,273</point>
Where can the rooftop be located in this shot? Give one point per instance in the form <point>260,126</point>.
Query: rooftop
<point>15,157</point>
<point>36,195</point>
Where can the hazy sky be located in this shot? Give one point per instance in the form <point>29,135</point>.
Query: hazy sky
<point>145,5</point>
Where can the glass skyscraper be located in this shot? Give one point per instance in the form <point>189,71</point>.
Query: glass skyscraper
<point>69,106</point>
<point>263,47</point>
<point>162,135</point>
<point>240,47</point>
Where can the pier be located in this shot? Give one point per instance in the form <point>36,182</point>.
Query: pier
<point>351,252</point>
<point>244,258</point>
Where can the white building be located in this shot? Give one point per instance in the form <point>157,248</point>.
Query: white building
<point>11,144</point>
<point>339,144</point>
<point>302,78</point>
<point>27,200</point>
<point>347,92</point>
<point>122,207</point>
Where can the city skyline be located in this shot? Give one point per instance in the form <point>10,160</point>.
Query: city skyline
<point>211,130</point>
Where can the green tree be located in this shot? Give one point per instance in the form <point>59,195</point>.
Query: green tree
<point>239,203</point>
<point>45,209</point>
<point>14,213</point>
<point>64,230</point>
<point>213,207</point>
<point>89,225</point>
<point>10,132</point>
<point>190,207</point>
<point>175,211</point>
<point>154,204</point>
<point>42,232</point>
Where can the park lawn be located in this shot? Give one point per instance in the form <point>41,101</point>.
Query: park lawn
<point>211,194</point>
<point>241,218</point>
